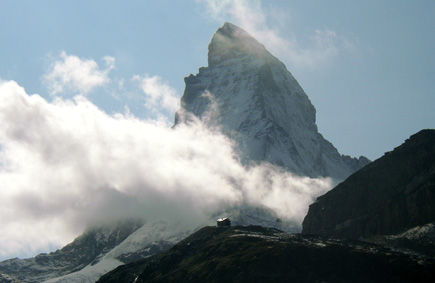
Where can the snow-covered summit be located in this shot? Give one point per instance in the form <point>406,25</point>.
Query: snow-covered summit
<point>252,96</point>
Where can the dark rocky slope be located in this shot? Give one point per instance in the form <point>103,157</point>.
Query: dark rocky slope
<point>86,249</point>
<point>258,254</point>
<point>388,196</point>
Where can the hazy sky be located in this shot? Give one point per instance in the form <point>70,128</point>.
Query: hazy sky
<point>108,77</point>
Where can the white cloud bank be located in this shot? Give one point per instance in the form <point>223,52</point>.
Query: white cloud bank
<point>66,163</point>
<point>71,73</point>
<point>322,47</point>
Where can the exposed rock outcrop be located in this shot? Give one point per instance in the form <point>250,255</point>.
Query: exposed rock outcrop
<point>258,254</point>
<point>388,196</point>
<point>87,249</point>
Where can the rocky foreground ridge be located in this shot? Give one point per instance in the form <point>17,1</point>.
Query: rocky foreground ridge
<point>258,254</point>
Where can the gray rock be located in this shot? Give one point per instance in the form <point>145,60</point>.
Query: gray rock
<point>259,254</point>
<point>87,249</point>
<point>388,196</point>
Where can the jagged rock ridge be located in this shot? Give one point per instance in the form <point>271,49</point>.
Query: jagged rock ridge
<point>258,254</point>
<point>256,100</point>
<point>98,250</point>
<point>389,196</point>
<point>87,249</point>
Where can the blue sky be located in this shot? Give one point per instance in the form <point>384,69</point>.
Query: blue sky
<point>368,67</point>
<point>102,80</point>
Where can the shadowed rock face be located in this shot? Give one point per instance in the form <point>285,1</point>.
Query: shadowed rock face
<point>390,195</point>
<point>258,254</point>
<point>254,99</point>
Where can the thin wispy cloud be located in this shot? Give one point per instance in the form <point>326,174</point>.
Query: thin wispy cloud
<point>158,93</point>
<point>70,73</point>
<point>317,50</point>
<point>66,163</point>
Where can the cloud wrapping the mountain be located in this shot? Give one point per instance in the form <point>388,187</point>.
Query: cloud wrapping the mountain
<point>65,164</point>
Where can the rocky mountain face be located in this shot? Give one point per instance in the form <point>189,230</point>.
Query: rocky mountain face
<point>86,249</point>
<point>258,254</point>
<point>255,100</point>
<point>150,239</point>
<point>97,251</point>
<point>389,196</point>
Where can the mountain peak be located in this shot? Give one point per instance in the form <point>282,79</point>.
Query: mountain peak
<point>259,104</point>
<point>230,42</point>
